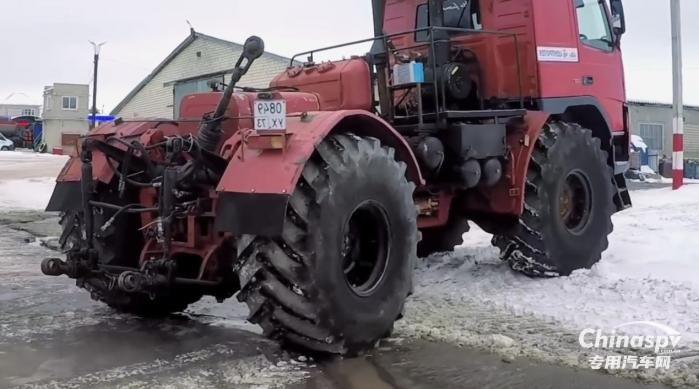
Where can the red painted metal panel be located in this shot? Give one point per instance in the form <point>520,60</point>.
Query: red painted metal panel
<point>565,79</point>
<point>497,53</point>
<point>277,171</point>
<point>339,85</point>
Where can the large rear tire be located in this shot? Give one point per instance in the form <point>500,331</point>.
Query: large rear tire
<point>337,278</point>
<point>569,202</point>
<point>113,250</point>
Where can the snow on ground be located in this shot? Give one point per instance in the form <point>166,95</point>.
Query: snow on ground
<point>638,142</point>
<point>27,179</point>
<point>32,193</point>
<point>649,273</point>
<point>469,297</point>
<point>53,336</point>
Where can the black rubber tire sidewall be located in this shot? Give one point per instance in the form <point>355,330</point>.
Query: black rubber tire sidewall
<point>575,152</point>
<point>363,319</point>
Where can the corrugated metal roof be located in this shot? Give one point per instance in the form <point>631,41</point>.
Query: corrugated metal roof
<point>645,103</point>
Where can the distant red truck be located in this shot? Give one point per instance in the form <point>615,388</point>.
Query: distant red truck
<point>8,127</point>
<point>12,128</point>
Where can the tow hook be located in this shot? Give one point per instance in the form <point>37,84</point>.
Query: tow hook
<point>53,267</point>
<point>131,282</point>
<point>74,267</point>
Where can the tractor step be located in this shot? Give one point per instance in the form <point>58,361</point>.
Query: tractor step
<point>623,197</point>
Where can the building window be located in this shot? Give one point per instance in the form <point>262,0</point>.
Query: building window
<point>70,103</point>
<point>48,103</point>
<point>28,112</point>
<point>593,25</point>
<point>184,88</point>
<point>653,135</point>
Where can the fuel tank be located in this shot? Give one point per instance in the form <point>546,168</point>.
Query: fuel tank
<point>340,85</point>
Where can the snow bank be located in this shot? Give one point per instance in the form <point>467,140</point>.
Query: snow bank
<point>27,179</point>
<point>645,169</point>
<point>649,273</point>
<point>25,154</point>
<point>658,239</point>
<point>639,143</point>
<point>27,194</point>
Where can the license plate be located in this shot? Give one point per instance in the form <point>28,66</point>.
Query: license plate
<point>270,115</point>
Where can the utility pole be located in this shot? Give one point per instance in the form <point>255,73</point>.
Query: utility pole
<point>678,104</point>
<point>97,48</point>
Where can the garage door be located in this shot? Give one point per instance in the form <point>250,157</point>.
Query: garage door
<point>691,140</point>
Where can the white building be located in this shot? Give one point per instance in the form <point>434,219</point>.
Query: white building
<point>14,110</point>
<point>188,69</point>
<point>653,122</point>
<point>66,108</point>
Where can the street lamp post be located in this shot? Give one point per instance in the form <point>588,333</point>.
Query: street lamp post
<point>678,105</point>
<point>97,48</point>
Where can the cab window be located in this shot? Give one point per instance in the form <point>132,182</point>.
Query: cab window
<point>593,24</point>
<point>457,14</point>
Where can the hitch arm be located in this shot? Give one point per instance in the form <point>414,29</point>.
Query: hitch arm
<point>210,131</point>
<point>87,190</point>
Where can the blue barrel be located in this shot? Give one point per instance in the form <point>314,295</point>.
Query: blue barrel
<point>690,169</point>
<point>654,159</point>
<point>644,157</point>
<point>37,131</point>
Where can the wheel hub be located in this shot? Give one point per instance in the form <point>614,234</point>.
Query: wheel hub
<point>365,248</point>
<point>575,202</point>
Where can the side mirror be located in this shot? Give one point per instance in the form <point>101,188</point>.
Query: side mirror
<point>618,17</point>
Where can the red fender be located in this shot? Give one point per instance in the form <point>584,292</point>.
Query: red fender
<point>277,171</point>
<point>256,186</point>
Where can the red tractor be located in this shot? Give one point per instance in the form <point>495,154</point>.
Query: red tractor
<point>311,199</point>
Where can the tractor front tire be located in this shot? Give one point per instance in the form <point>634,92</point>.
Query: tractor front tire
<point>337,278</point>
<point>567,208</point>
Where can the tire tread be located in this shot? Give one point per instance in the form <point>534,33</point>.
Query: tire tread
<point>283,297</point>
<point>524,249</point>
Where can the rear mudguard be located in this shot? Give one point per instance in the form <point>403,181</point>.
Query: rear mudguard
<point>66,195</point>
<point>255,189</point>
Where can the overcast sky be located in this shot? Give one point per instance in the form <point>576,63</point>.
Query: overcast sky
<point>46,41</point>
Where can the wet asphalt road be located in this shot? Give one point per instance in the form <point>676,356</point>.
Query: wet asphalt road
<point>53,335</point>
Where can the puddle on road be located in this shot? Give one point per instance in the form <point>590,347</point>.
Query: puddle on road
<point>419,365</point>
<point>93,347</point>
<point>184,353</point>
